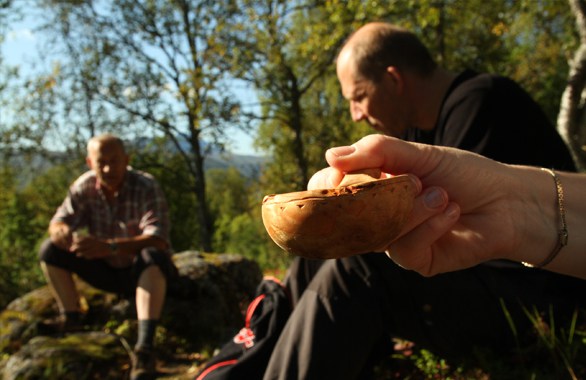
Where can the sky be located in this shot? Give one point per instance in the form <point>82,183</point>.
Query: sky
<point>22,42</point>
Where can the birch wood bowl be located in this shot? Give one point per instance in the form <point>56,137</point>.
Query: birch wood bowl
<point>362,215</point>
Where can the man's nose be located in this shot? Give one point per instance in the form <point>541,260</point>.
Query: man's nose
<point>356,112</point>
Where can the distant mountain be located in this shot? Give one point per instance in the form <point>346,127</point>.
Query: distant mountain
<point>248,166</point>
<point>27,167</point>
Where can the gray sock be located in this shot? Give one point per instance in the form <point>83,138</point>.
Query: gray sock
<point>146,333</point>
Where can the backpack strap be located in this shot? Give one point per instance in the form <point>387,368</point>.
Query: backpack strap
<point>215,367</point>
<point>246,335</point>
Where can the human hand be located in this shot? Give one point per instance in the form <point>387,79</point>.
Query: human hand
<point>60,235</point>
<point>90,247</point>
<point>474,225</point>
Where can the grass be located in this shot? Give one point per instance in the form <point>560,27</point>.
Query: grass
<point>557,353</point>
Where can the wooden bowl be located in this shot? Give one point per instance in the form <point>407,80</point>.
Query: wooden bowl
<point>361,217</point>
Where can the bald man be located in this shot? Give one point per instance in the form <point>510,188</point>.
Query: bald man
<point>112,230</point>
<point>348,310</point>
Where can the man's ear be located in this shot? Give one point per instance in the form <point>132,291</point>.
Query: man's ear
<point>88,162</point>
<point>396,79</point>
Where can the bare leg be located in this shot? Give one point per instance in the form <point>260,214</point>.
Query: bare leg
<point>62,287</point>
<point>150,293</point>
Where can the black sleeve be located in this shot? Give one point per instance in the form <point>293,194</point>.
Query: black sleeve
<point>467,125</point>
<point>495,117</point>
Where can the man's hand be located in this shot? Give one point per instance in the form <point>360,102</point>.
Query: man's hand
<point>90,248</point>
<point>61,235</point>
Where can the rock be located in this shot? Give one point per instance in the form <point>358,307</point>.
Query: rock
<point>209,300</point>
<point>204,308</point>
<point>71,357</point>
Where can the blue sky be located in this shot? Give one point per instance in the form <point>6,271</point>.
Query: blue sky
<point>20,47</point>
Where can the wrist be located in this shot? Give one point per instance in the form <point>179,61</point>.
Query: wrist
<point>114,248</point>
<point>571,260</point>
<point>562,240</point>
<point>538,218</point>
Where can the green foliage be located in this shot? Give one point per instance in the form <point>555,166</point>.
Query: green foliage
<point>234,204</point>
<point>430,364</point>
<point>168,167</point>
<point>16,252</point>
<point>246,235</point>
<point>24,217</point>
<point>529,41</point>
<point>238,224</point>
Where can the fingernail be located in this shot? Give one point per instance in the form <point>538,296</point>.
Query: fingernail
<point>452,210</point>
<point>341,151</point>
<point>416,182</point>
<point>434,198</point>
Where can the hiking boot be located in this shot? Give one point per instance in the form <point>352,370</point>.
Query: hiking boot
<point>59,325</point>
<point>143,364</point>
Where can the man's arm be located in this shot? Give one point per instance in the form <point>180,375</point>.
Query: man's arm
<point>60,234</point>
<point>133,245</point>
<point>94,248</point>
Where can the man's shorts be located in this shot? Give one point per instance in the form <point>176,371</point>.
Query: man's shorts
<point>103,276</point>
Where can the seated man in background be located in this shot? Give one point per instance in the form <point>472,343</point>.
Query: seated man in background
<point>347,309</point>
<point>124,250</point>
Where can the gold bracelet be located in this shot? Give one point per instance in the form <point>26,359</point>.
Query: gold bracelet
<point>563,232</point>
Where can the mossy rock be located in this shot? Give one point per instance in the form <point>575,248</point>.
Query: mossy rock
<point>204,308</point>
<point>90,355</point>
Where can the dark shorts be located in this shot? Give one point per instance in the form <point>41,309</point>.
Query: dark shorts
<point>103,276</point>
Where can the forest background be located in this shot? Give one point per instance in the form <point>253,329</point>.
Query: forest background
<point>176,78</point>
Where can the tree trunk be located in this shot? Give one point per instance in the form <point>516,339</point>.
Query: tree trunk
<point>571,121</point>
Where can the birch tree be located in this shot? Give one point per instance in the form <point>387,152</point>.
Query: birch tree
<point>572,116</point>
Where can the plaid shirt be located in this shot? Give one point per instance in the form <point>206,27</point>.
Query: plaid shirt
<point>139,208</point>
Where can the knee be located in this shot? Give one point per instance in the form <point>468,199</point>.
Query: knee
<point>152,257</point>
<point>152,254</point>
<point>49,252</point>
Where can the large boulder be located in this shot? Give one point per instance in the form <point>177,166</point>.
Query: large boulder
<point>209,300</point>
<point>95,355</point>
<point>204,307</point>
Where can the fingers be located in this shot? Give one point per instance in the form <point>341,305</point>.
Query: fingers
<point>325,179</point>
<point>414,249</point>
<point>357,156</point>
<point>430,202</point>
<point>390,154</point>
<point>91,248</point>
<point>62,240</point>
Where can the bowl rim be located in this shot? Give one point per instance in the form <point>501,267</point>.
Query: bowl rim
<point>321,194</point>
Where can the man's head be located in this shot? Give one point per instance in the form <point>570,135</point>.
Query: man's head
<point>372,68</point>
<point>107,157</point>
